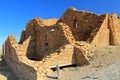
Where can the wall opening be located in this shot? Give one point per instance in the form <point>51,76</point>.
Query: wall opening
<point>46,44</point>
<point>75,23</point>
<point>32,58</point>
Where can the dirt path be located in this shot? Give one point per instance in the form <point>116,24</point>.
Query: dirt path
<point>5,72</point>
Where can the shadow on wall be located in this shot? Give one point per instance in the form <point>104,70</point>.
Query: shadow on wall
<point>31,50</point>
<point>82,24</point>
<point>22,71</point>
<point>46,41</point>
<point>5,72</point>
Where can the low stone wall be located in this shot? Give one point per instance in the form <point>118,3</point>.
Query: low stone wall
<point>12,57</point>
<point>26,69</point>
<point>64,56</point>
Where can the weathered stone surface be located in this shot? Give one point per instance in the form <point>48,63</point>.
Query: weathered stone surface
<point>69,40</point>
<point>45,39</point>
<point>100,37</point>
<point>65,55</point>
<point>83,52</point>
<point>86,22</point>
<point>114,27</point>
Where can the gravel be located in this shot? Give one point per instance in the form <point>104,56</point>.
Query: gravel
<point>112,72</point>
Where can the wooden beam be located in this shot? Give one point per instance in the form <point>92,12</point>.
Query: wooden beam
<point>61,65</point>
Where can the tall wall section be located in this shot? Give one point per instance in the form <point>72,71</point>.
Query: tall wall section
<point>45,39</point>
<point>82,23</point>
<point>99,30</point>
<point>114,26</point>
<point>101,37</point>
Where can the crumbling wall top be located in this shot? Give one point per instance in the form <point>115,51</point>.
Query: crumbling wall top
<point>12,40</point>
<point>43,22</point>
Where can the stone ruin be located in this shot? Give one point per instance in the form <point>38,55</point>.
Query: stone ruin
<point>67,41</point>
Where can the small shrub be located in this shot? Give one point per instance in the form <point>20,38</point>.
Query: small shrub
<point>77,68</point>
<point>118,45</point>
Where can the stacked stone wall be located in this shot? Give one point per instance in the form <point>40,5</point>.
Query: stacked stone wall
<point>69,40</point>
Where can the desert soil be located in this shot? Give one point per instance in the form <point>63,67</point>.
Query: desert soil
<point>104,66</point>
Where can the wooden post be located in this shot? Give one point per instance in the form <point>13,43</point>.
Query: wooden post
<point>58,71</point>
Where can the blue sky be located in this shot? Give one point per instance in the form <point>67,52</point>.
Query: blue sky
<point>14,14</point>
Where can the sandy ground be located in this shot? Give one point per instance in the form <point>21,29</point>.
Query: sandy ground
<point>104,66</point>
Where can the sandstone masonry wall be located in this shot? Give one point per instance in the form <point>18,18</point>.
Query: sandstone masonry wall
<point>100,37</point>
<point>85,22</point>
<point>45,39</point>
<point>69,40</point>
<point>26,69</point>
<point>12,55</point>
<point>114,26</point>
